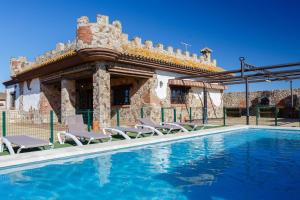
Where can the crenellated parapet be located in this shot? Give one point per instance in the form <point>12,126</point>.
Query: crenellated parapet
<point>21,64</point>
<point>109,35</point>
<point>17,65</point>
<point>103,34</point>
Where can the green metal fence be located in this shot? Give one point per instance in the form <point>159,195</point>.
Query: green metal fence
<point>127,116</point>
<point>46,125</point>
<point>268,112</point>
<point>260,115</point>
<point>36,124</point>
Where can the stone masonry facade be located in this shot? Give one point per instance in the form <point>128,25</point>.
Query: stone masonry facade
<point>276,97</point>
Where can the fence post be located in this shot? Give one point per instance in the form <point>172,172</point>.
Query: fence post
<point>162,114</point>
<point>89,120</point>
<point>174,112</point>
<point>190,116</point>
<point>142,112</point>
<point>118,117</point>
<point>3,123</point>
<point>299,115</point>
<point>51,127</point>
<point>276,116</point>
<point>224,116</point>
<point>257,115</point>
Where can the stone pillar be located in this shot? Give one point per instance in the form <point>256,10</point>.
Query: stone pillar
<point>68,98</point>
<point>101,96</point>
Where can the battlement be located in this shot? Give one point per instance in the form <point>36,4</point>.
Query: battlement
<point>102,34</point>
<point>21,64</point>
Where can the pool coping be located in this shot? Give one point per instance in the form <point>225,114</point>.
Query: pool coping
<point>61,153</point>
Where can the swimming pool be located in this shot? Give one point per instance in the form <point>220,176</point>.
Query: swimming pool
<point>244,164</point>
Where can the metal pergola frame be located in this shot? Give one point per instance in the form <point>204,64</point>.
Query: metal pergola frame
<point>250,74</point>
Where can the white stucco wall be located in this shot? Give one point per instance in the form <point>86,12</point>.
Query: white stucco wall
<point>198,93</point>
<point>216,97</point>
<point>162,82</point>
<point>31,95</point>
<point>162,89</point>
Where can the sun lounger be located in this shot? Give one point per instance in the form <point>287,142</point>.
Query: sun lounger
<point>147,122</point>
<point>139,130</point>
<point>22,142</point>
<point>77,132</point>
<point>182,124</point>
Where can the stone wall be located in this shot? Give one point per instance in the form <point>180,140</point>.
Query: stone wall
<point>50,99</point>
<point>276,97</point>
<point>68,98</point>
<point>139,97</point>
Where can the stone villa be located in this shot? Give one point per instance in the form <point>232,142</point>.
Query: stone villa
<point>102,70</point>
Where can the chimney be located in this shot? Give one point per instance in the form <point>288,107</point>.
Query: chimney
<point>206,52</point>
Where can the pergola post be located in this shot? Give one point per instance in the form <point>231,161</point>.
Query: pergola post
<point>247,101</point>
<point>205,105</point>
<point>292,98</point>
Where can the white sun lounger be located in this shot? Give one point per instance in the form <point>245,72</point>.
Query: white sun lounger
<point>124,130</point>
<point>22,142</point>
<point>147,122</point>
<point>182,124</point>
<point>77,132</point>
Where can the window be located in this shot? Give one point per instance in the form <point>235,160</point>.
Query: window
<point>179,95</point>
<point>12,100</point>
<point>121,95</point>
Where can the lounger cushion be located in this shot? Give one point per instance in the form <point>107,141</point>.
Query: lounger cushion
<point>26,141</point>
<point>187,124</point>
<point>167,127</point>
<point>149,122</point>
<point>89,135</point>
<point>134,130</point>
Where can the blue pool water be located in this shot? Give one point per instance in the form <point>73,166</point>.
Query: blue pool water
<point>246,164</point>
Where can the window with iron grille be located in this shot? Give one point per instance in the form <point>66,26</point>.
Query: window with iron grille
<point>179,95</point>
<point>121,95</point>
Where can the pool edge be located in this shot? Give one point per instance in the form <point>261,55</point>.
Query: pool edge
<point>68,152</point>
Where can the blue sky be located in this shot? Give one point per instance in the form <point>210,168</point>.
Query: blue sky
<point>265,32</point>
